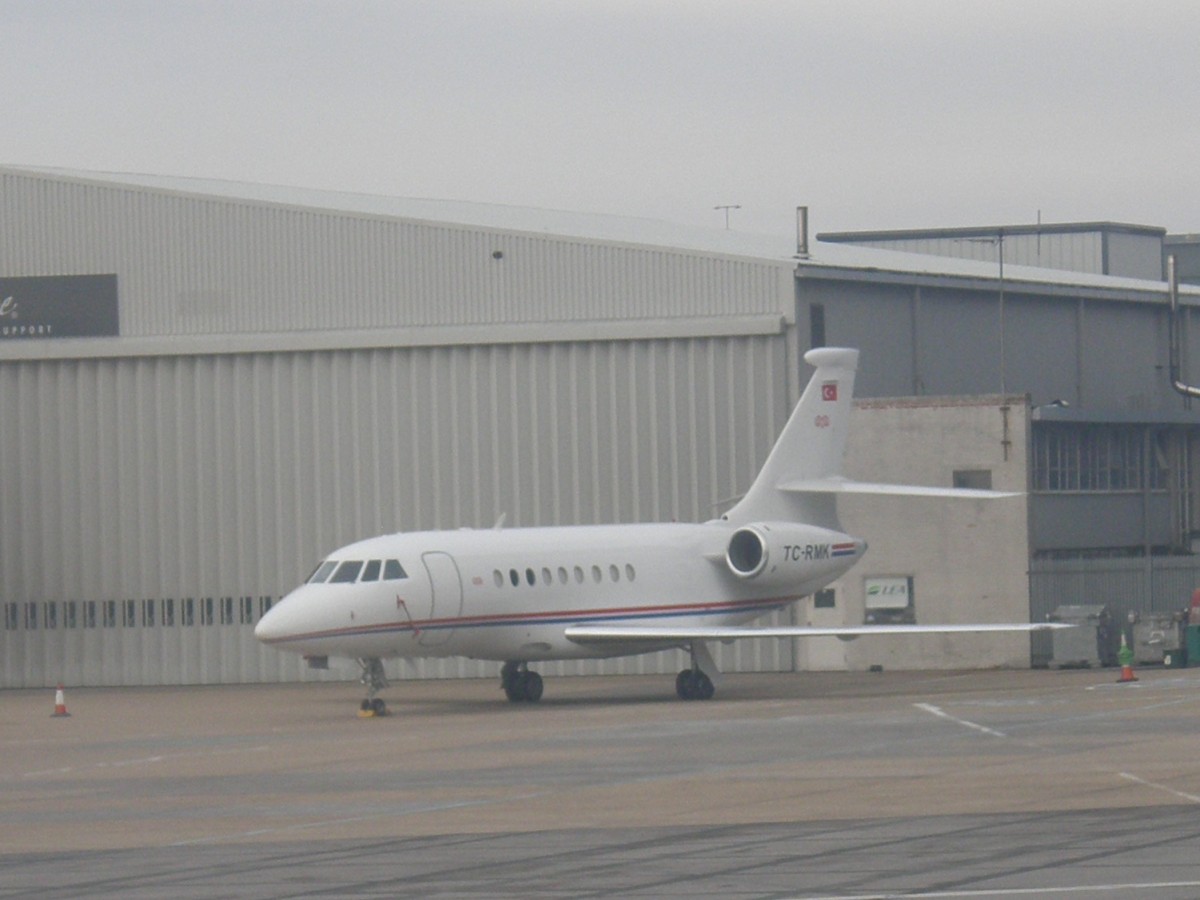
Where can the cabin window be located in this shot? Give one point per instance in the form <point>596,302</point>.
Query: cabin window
<point>347,572</point>
<point>530,577</point>
<point>547,578</point>
<point>562,575</point>
<point>630,574</point>
<point>322,572</point>
<point>371,570</point>
<point>596,576</point>
<point>393,571</point>
<point>578,575</point>
<point>514,577</point>
<point>498,577</point>
<point>614,573</point>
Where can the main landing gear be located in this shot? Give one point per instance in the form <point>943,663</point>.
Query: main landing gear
<point>375,679</point>
<point>694,683</point>
<point>521,684</point>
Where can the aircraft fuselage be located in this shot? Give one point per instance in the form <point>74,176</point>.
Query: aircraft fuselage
<point>512,593</point>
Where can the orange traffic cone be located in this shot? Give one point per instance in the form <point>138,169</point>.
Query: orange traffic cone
<point>60,704</point>
<point>1125,658</point>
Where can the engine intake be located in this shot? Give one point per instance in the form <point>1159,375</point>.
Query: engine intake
<point>747,552</point>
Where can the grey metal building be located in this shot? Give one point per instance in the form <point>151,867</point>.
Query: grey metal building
<point>204,387</point>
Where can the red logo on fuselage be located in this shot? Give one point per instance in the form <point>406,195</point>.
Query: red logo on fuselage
<point>829,390</point>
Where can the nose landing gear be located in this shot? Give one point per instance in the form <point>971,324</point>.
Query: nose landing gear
<point>520,683</point>
<point>375,679</point>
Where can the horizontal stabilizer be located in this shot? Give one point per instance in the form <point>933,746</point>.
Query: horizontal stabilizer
<point>839,485</point>
<point>617,634</point>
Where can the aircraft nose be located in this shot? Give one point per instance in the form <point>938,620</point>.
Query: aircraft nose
<point>271,627</point>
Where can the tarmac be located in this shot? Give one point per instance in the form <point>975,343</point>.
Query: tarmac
<point>813,785</point>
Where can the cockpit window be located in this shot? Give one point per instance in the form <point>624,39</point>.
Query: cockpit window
<point>392,570</point>
<point>322,572</point>
<point>347,571</point>
<point>371,570</point>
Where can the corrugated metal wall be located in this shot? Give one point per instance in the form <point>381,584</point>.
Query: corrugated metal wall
<point>190,265</point>
<point>1151,584</point>
<point>150,507</point>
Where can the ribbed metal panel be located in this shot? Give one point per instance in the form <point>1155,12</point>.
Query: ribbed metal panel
<point>216,481</point>
<point>191,265</point>
<point>1081,251</point>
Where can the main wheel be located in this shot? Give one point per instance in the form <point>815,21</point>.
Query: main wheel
<point>532,684</point>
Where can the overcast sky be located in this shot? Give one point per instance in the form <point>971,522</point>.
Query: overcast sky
<point>874,114</point>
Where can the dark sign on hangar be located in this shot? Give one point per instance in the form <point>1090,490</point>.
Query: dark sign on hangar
<point>58,306</point>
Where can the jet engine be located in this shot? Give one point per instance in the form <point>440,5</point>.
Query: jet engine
<point>769,552</point>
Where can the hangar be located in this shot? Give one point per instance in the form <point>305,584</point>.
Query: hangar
<point>205,386</point>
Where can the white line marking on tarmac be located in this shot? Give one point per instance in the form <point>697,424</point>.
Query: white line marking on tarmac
<point>1160,787</point>
<point>938,711</point>
<point>1140,887</point>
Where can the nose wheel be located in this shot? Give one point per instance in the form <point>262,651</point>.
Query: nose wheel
<point>375,679</point>
<point>520,683</point>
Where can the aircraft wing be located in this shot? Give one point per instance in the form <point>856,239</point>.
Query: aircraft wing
<point>618,634</point>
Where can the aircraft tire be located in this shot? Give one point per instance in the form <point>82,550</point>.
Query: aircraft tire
<point>692,684</point>
<point>533,687</point>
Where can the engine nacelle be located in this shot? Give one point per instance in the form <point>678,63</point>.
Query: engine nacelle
<point>787,552</point>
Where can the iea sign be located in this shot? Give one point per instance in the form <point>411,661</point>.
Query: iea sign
<point>58,306</point>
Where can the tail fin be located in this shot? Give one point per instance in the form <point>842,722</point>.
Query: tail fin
<point>810,448</point>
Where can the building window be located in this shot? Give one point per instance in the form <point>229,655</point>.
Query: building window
<point>89,613</point>
<point>70,614</point>
<point>206,611</point>
<point>188,612</point>
<point>1093,458</point>
<point>264,606</point>
<point>226,610</point>
<point>246,605</point>
<point>12,618</point>
<point>51,615</point>
<point>816,325</point>
<point>168,613</point>
<point>825,599</point>
<point>148,613</point>
<point>973,479</point>
<point>31,617</point>
<point>110,614</point>
<point>129,614</point>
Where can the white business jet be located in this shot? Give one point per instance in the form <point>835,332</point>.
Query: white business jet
<point>524,595</point>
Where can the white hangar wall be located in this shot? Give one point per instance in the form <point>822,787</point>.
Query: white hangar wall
<point>193,266</point>
<point>292,374</point>
<point>151,506</point>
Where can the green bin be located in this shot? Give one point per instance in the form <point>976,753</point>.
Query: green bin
<point>1193,645</point>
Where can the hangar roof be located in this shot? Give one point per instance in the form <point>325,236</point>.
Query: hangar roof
<point>825,259</point>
